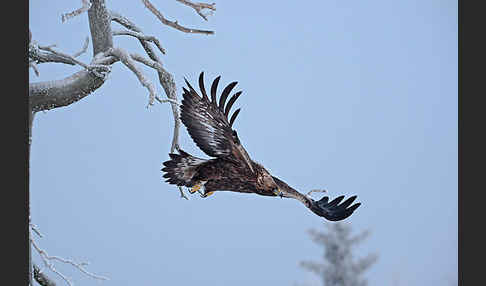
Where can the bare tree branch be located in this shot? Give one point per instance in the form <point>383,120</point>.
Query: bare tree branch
<point>46,258</point>
<point>157,66</point>
<point>63,55</point>
<point>31,282</point>
<point>98,70</point>
<point>35,229</point>
<point>165,78</point>
<point>141,36</point>
<point>38,56</point>
<point>128,62</point>
<point>57,93</point>
<point>86,6</point>
<point>173,24</point>
<point>83,49</point>
<point>49,265</point>
<point>34,67</point>
<point>199,7</point>
<point>148,62</point>
<point>41,278</point>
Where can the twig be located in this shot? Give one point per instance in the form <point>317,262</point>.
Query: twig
<point>41,278</point>
<point>147,62</point>
<point>34,228</point>
<point>97,69</point>
<point>160,100</point>
<point>128,62</point>
<point>48,264</point>
<point>316,191</point>
<point>83,49</point>
<point>182,193</point>
<point>33,65</point>
<point>115,16</point>
<point>199,6</point>
<point>47,261</point>
<point>141,36</point>
<point>157,66</point>
<point>31,282</point>
<point>86,6</point>
<point>37,56</point>
<point>173,24</point>
<point>50,49</point>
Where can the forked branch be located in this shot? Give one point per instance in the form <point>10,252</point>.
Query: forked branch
<point>83,49</point>
<point>173,24</point>
<point>42,278</point>
<point>125,58</point>
<point>141,37</point>
<point>84,8</point>
<point>47,259</point>
<point>199,7</point>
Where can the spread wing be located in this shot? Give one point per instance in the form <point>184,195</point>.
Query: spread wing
<point>207,121</point>
<point>333,210</point>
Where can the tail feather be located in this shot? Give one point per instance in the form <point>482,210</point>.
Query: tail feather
<point>181,168</point>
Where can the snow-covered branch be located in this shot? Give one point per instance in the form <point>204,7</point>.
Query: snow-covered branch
<point>173,24</point>
<point>199,7</point>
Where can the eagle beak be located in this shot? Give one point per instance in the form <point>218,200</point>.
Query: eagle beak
<point>277,192</point>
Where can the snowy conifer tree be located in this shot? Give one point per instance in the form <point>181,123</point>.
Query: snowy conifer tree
<point>339,268</point>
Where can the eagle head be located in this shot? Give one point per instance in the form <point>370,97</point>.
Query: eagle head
<point>265,181</point>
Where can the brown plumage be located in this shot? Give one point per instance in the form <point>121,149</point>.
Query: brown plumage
<point>231,168</point>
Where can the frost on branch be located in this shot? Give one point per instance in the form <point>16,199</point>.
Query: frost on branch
<point>48,262</point>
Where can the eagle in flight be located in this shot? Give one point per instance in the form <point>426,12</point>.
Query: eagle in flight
<point>231,168</point>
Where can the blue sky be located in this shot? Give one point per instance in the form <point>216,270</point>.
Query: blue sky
<point>357,97</point>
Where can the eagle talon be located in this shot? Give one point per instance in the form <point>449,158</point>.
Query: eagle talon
<point>195,188</point>
<point>205,195</point>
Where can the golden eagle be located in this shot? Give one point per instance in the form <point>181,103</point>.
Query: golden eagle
<point>231,168</point>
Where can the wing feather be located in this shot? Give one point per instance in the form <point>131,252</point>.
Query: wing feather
<point>233,117</point>
<point>225,93</point>
<point>230,103</point>
<point>190,87</point>
<point>208,125</point>
<point>201,87</point>
<point>332,210</point>
<point>214,88</point>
